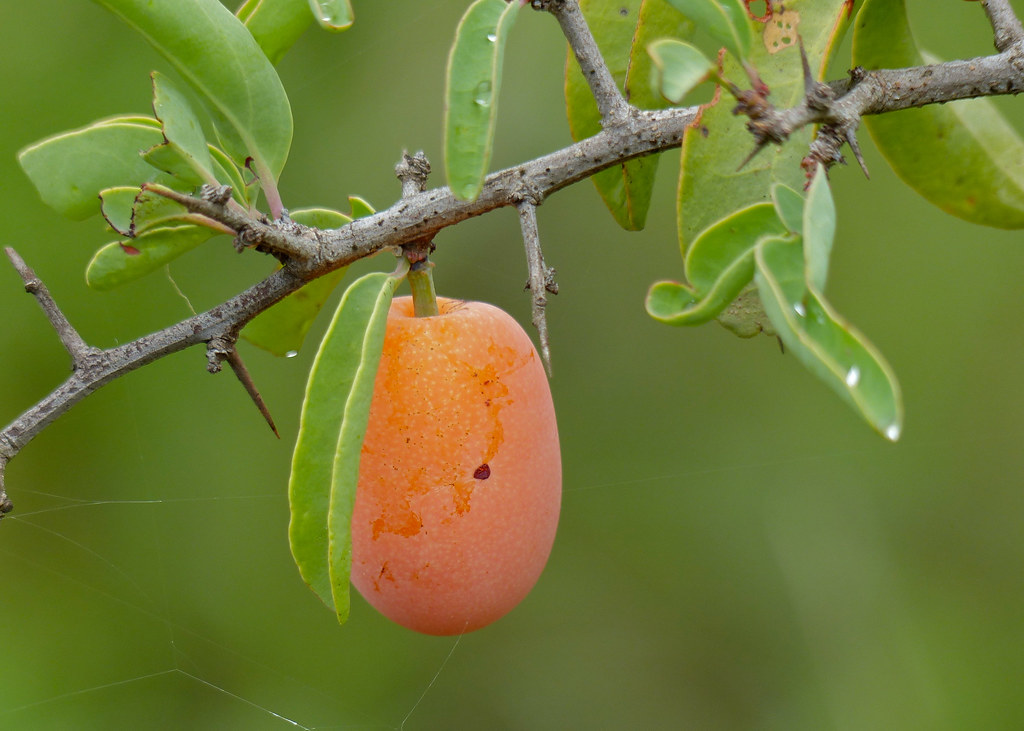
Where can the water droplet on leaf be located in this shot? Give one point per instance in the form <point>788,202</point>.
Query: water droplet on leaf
<point>291,354</point>
<point>893,432</point>
<point>853,376</point>
<point>482,94</point>
<point>492,37</point>
<point>800,309</point>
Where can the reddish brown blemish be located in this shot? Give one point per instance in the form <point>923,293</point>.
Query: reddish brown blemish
<point>767,11</point>
<point>384,575</point>
<point>482,472</point>
<point>130,250</point>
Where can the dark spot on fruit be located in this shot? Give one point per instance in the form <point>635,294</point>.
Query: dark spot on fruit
<point>482,472</point>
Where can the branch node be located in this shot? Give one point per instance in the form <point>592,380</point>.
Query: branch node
<point>219,195</point>
<point>413,171</point>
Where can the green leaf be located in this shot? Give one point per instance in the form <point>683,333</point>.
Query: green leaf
<point>726,21</point>
<point>282,329</point>
<point>622,29</point>
<point>332,15</point>
<point>275,24</point>
<point>120,262</point>
<point>962,157</point>
<point>789,204</point>
<point>718,266</point>
<point>730,240</point>
<point>359,208</point>
<point>181,128</point>
<point>680,66</point>
<point>819,230</point>
<point>221,60</point>
<point>827,345</point>
<point>71,168</point>
<point>325,464</point>
<point>471,93</point>
<point>710,186</point>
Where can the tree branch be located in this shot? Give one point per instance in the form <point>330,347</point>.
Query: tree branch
<point>838,106</point>
<point>315,253</point>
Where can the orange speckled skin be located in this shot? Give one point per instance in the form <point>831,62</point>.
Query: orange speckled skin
<point>460,478</point>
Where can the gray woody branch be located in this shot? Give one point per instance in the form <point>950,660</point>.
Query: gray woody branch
<point>628,133</point>
<point>838,106</point>
<point>311,253</point>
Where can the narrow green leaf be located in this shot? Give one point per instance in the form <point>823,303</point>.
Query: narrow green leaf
<point>719,265</point>
<point>332,15</point>
<point>282,329</point>
<point>181,127</point>
<point>819,230</point>
<point>963,157</point>
<point>827,345</point>
<point>471,94</point>
<point>680,67</point>
<point>71,168</point>
<point>122,261</point>
<point>275,24</point>
<point>622,29</point>
<point>789,204</point>
<point>726,21</point>
<point>221,60</point>
<point>335,411</point>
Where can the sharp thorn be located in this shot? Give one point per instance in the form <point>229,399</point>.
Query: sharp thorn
<point>810,83</point>
<point>753,153</point>
<point>851,140</point>
<point>235,361</point>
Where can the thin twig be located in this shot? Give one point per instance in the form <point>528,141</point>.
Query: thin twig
<point>542,277</point>
<point>284,236</point>
<point>1005,23</point>
<point>69,337</point>
<point>610,102</point>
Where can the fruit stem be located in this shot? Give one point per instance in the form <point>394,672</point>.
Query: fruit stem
<point>421,282</point>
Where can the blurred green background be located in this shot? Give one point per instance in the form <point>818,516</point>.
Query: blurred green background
<point>737,549</point>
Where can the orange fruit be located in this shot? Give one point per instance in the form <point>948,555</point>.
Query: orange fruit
<point>460,475</point>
